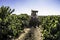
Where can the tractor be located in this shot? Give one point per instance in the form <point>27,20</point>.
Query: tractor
<point>34,21</point>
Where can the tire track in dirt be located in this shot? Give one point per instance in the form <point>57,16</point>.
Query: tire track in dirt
<point>23,35</point>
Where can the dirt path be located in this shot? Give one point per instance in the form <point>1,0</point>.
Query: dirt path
<point>38,34</point>
<point>31,34</point>
<point>23,35</point>
<point>34,34</point>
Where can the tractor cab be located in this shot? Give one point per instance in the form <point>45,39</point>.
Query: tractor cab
<point>33,13</point>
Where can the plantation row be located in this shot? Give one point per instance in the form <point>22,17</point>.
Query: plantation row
<point>51,27</point>
<point>11,25</point>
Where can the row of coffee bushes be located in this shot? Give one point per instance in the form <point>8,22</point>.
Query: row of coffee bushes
<point>11,25</point>
<point>51,27</point>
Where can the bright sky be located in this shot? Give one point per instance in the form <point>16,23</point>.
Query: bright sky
<point>44,7</point>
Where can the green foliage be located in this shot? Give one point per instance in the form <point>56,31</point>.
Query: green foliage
<point>11,24</point>
<point>4,23</point>
<point>51,26</point>
<point>5,11</point>
<point>24,18</point>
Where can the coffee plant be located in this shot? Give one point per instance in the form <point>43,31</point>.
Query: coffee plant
<point>11,25</point>
<point>51,27</point>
